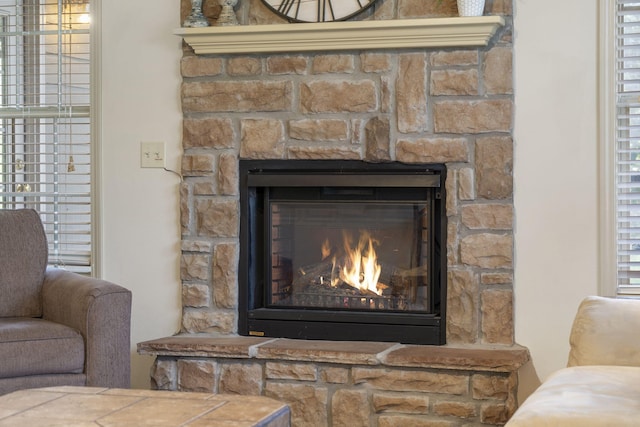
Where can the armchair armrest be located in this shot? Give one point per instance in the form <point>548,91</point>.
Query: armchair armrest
<point>101,312</point>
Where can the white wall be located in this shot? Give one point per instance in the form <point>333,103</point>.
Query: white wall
<point>140,94</point>
<point>555,169</point>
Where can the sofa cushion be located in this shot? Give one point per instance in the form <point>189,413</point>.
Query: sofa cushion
<point>605,332</point>
<point>51,348</point>
<point>584,396</point>
<point>23,260</point>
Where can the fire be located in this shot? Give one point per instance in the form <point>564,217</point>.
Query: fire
<point>326,249</point>
<point>360,267</point>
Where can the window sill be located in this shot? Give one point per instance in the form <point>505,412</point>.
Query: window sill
<point>349,35</point>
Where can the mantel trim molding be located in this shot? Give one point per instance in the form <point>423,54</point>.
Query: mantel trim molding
<point>349,35</point>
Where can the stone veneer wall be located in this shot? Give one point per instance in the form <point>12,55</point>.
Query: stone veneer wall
<point>452,106</point>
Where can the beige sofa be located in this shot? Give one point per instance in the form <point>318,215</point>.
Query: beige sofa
<point>56,327</point>
<point>601,384</point>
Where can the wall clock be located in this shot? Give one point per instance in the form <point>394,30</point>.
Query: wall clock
<point>318,10</point>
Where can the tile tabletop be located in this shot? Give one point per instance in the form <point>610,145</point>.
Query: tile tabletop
<point>92,407</point>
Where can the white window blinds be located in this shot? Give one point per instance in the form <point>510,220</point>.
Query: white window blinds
<point>45,145</point>
<point>628,145</point>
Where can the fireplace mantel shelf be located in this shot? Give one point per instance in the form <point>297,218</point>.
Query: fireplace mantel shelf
<point>350,35</point>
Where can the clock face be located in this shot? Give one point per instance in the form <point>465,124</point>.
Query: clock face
<point>318,10</point>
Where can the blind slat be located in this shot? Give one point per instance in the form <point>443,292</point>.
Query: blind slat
<point>45,112</point>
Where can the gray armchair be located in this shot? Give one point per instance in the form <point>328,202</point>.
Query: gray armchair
<point>56,327</point>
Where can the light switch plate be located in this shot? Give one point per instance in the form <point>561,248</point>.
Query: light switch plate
<point>152,155</point>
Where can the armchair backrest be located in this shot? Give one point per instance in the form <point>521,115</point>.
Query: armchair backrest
<point>605,332</point>
<point>23,261</point>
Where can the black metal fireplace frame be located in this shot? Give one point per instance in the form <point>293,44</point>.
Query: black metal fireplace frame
<point>255,318</point>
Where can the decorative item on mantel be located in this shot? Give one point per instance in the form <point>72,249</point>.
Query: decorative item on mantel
<point>227,15</point>
<point>196,18</point>
<point>470,7</point>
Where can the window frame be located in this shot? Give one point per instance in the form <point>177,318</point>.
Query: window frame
<point>93,134</point>
<point>95,12</point>
<point>608,141</point>
<point>608,270</point>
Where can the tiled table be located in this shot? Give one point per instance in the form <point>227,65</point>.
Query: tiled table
<point>91,407</point>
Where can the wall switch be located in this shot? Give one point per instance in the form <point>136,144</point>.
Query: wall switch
<point>152,155</point>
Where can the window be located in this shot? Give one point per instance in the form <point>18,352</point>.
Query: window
<point>45,122</point>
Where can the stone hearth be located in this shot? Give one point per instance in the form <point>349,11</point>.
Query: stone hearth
<point>329,383</point>
<point>451,106</point>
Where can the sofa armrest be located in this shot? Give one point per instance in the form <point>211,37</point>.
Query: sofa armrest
<point>605,332</point>
<point>101,312</point>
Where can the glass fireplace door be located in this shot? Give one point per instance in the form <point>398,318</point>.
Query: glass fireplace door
<point>342,250</point>
<point>350,255</point>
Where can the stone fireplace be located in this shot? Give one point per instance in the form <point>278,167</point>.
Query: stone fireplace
<point>451,106</point>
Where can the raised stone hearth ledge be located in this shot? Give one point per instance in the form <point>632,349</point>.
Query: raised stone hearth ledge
<point>349,35</point>
<point>338,383</point>
<point>475,358</point>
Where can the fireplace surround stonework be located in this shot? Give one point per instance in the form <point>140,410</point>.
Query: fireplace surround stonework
<point>452,106</point>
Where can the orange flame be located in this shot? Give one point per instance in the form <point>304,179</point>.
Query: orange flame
<point>326,249</point>
<point>361,269</point>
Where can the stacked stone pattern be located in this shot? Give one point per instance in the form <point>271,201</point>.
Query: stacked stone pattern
<point>452,106</point>
<point>348,383</point>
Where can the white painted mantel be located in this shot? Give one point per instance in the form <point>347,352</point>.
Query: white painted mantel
<point>349,35</point>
